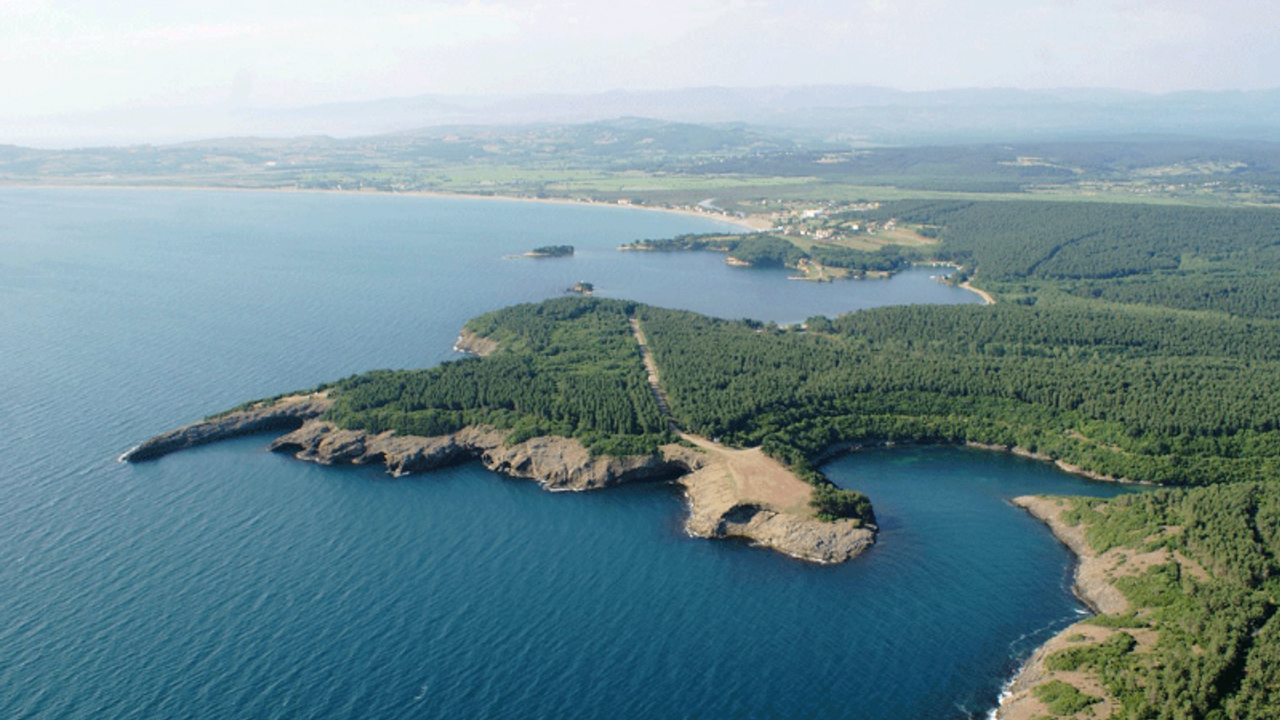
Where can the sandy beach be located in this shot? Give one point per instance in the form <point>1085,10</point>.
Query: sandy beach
<point>749,223</point>
<point>986,296</point>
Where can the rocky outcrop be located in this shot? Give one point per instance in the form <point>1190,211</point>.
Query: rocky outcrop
<point>557,463</point>
<point>717,511</point>
<point>469,342</point>
<point>800,536</point>
<point>1092,582</point>
<point>279,415</point>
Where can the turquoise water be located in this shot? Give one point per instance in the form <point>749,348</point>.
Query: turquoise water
<point>229,582</point>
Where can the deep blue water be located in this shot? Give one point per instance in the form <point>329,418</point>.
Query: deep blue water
<point>228,582</point>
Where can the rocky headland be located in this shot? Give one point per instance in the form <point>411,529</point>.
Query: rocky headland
<point>473,344</point>
<point>743,494</point>
<point>720,507</point>
<point>282,414</point>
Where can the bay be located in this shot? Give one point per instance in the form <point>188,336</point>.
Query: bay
<point>229,582</point>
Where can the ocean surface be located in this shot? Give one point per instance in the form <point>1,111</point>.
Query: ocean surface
<point>229,582</point>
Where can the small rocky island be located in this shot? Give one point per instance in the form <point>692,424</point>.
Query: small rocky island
<point>550,251</point>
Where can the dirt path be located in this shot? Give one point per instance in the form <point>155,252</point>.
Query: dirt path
<point>659,395</point>
<point>749,476</point>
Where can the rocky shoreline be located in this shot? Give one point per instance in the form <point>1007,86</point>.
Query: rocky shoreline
<point>557,463</point>
<point>473,344</point>
<point>1093,585</point>
<point>283,414</point>
<point>1060,464</point>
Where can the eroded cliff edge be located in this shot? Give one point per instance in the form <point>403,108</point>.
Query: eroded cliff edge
<point>722,502</point>
<point>1095,584</point>
<point>282,414</point>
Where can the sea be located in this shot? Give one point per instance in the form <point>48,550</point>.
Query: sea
<point>230,582</point>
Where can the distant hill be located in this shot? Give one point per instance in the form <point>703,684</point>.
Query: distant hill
<point>870,115</point>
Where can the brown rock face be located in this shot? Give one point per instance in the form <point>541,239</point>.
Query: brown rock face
<point>283,414</point>
<point>555,462</point>
<point>716,510</point>
<point>469,342</point>
<point>558,463</point>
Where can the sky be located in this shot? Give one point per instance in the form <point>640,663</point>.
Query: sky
<point>67,57</point>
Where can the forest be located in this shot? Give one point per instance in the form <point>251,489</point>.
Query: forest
<point>568,367</point>
<point>767,250</point>
<point>1189,258</point>
<point>1218,648</point>
<point>1141,390</point>
<point>1138,394</point>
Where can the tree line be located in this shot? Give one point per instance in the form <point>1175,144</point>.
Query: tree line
<point>1190,258</point>
<point>1218,653</point>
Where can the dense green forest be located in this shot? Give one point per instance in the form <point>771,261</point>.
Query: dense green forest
<point>766,250</point>
<point>1189,258</point>
<point>1218,652</point>
<point>1148,395</point>
<point>568,367</point>
<point>1138,389</point>
<point>1139,393</point>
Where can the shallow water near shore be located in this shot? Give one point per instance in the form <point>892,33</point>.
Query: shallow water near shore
<point>229,582</point>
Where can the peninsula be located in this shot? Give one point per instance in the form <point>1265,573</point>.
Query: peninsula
<point>1124,346</point>
<point>730,492</point>
<point>818,261</point>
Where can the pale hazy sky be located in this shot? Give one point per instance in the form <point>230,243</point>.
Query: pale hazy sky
<point>71,56</point>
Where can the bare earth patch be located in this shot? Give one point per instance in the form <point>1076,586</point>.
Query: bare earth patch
<point>747,494</point>
<point>756,478</point>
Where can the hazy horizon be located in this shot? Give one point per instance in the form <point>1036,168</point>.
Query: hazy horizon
<point>84,69</point>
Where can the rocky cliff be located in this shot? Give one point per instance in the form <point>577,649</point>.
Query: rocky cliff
<point>287,413</point>
<point>557,463</point>
<point>469,342</point>
<point>717,509</point>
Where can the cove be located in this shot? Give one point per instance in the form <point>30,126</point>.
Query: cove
<point>230,582</point>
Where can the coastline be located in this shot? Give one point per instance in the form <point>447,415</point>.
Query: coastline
<point>720,528</point>
<point>1092,584</point>
<point>729,493</point>
<point>1060,464</point>
<point>749,223</point>
<point>473,344</point>
<point>839,449</point>
<point>1095,583</point>
<point>987,299</point>
<point>716,484</point>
